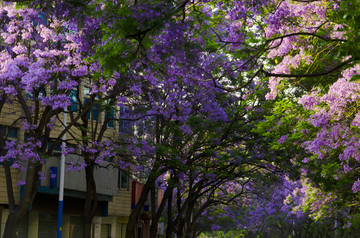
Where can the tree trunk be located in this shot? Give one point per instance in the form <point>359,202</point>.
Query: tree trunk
<point>156,218</point>
<point>9,187</point>
<point>87,227</point>
<point>12,223</point>
<point>170,226</point>
<point>130,228</point>
<point>188,223</point>
<point>90,200</point>
<point>30,190</point>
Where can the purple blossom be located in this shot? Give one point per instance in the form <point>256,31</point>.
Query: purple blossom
<point>356,186</point>
<point>20,183</point>
<point>282,139</point>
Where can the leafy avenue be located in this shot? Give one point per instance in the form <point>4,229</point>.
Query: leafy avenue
<point>245,113</point>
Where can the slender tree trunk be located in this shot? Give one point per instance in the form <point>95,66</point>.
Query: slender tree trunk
<point>170,224</point>
<point>90,200</point>
<point>194,230</point>
<point>188,222</point>
<point>156,218</point>
<point>182,217</point>
<point>154,174</point>
<point>9,187</point>
<point>130,228</point>
<point>155,215</point>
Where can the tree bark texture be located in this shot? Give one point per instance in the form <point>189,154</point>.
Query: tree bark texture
<point>130,228</point>
<point>90,200</point>
<point>28,196</point>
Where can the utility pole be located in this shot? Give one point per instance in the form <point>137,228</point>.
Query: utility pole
<point>62,175</point>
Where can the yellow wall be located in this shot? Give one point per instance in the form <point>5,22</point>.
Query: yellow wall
<point>3,191</point>
<point>121,203</point>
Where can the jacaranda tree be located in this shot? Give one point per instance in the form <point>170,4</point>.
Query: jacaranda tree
<point>315,77</point>
<point>42,64</point>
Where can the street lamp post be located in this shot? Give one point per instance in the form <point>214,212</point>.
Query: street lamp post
<point>62,175</point>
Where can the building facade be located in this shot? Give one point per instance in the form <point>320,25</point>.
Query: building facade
<point>114,203</point>
<point>113,189</point>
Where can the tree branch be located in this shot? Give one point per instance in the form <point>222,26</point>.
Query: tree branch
<point>306,1</point>
<point>304,34</point>
<point>268,74</point>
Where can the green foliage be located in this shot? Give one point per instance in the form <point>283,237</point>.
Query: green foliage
<point>22,4</point>
<point>221,234</point>
<point>355,78</point>
<point>349,16</point>
<point>284,129</point>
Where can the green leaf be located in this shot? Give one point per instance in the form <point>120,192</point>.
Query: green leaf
<point>355,78</point>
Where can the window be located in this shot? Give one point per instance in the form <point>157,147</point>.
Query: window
<point>95,111</point>
<point>123,179</point>
<point>57,146</point>
<point>10,133</point>
<point>73,99</point>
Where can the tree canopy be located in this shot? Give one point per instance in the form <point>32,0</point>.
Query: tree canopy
<point>216,95</point>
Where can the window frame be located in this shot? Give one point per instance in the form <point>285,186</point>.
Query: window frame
<point>120,172</point>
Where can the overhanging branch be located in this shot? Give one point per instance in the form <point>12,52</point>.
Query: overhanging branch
<point>338,67</point>
<point>304,34</point>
